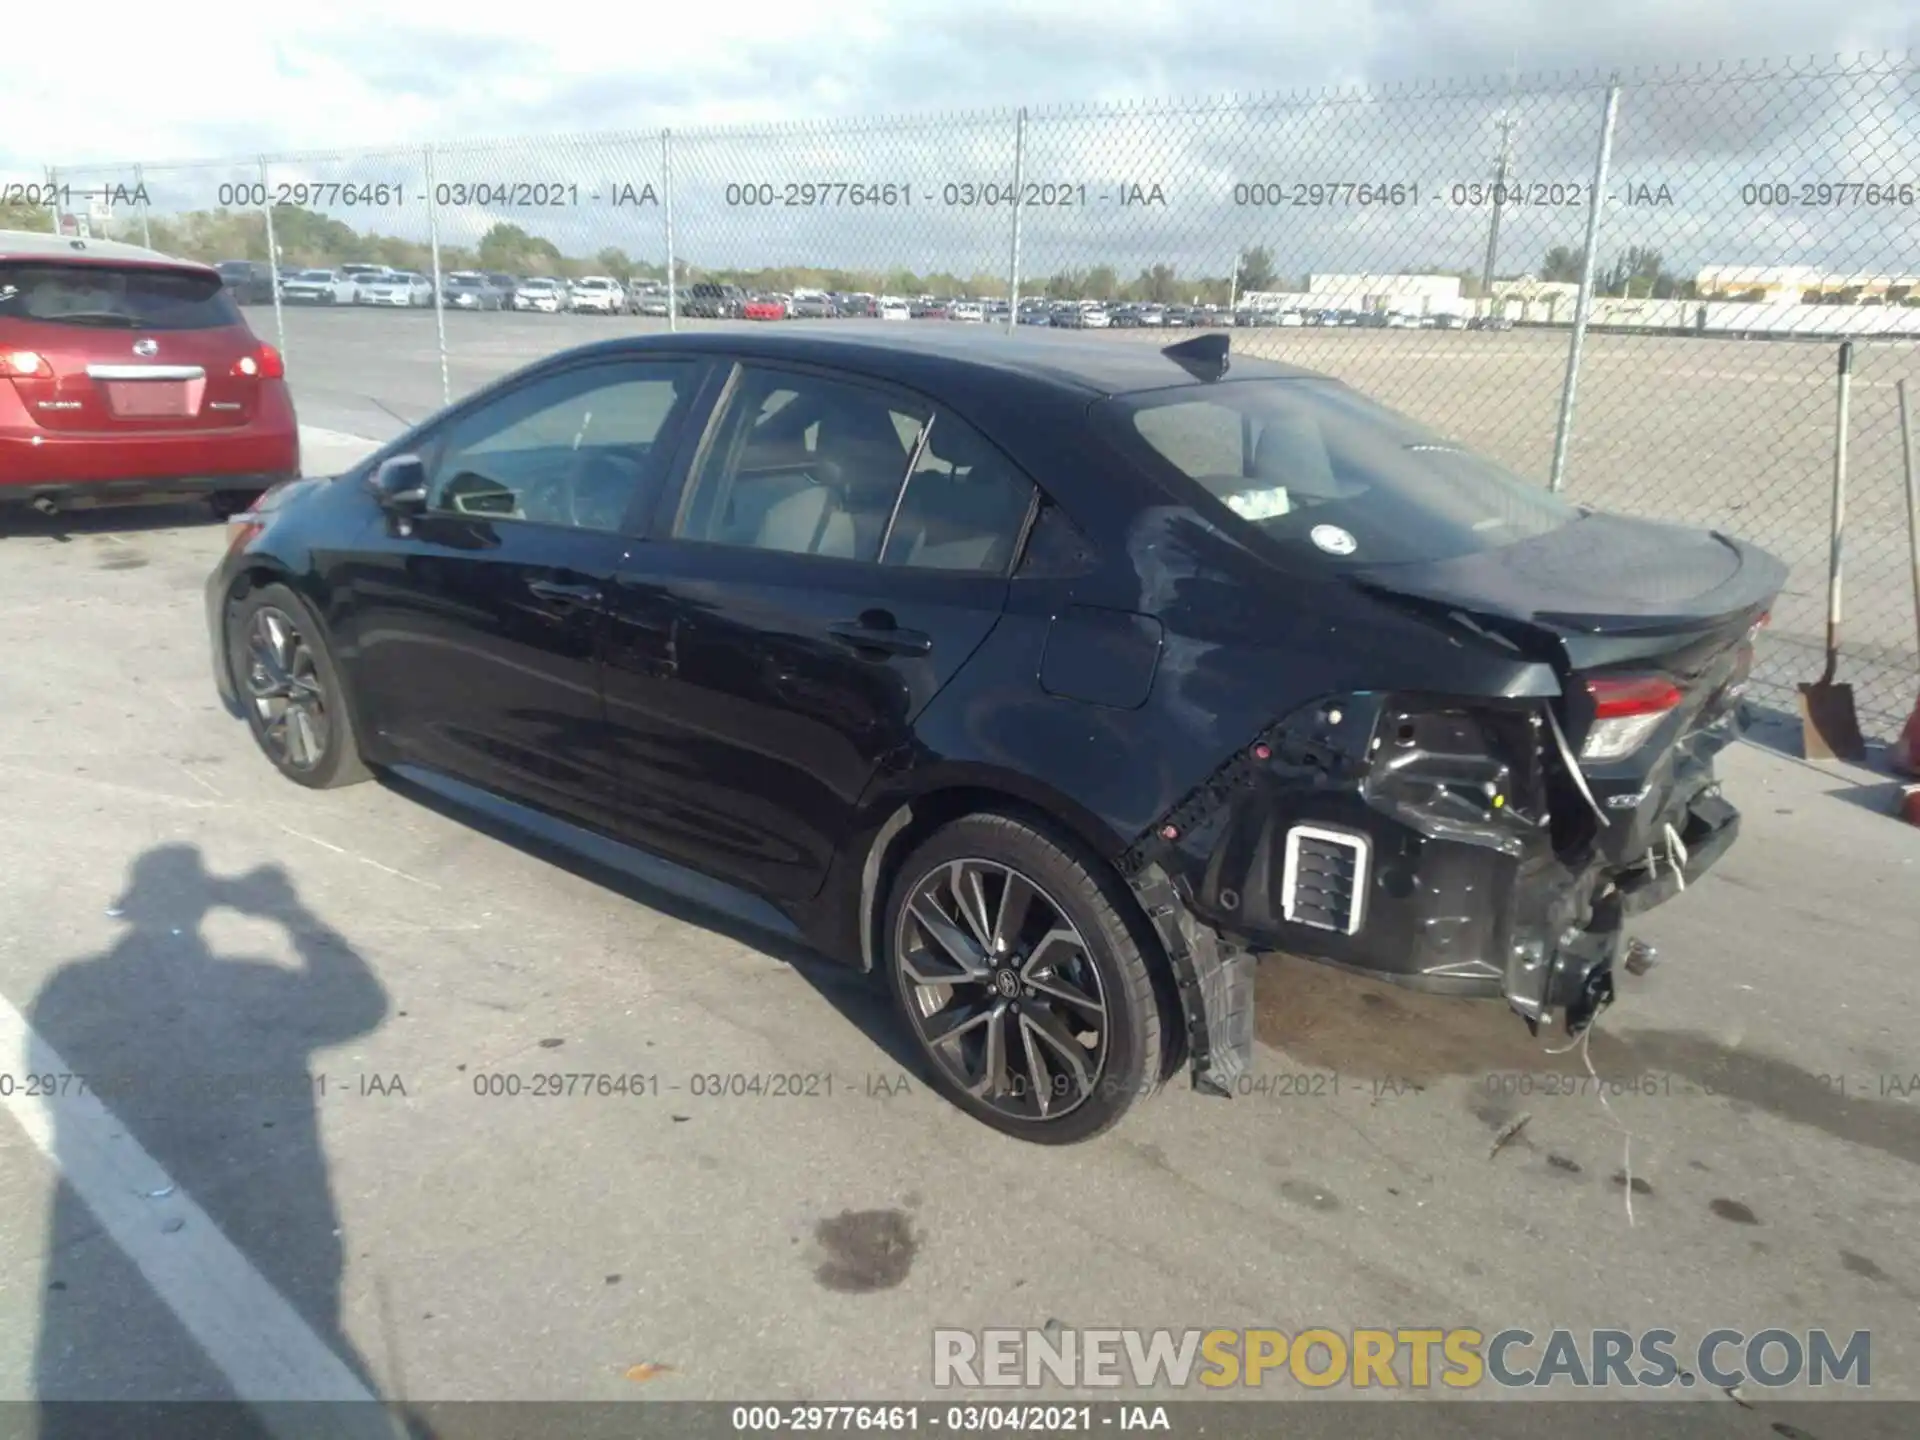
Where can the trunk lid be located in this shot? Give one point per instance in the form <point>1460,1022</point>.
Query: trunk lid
<point>1601,593</point>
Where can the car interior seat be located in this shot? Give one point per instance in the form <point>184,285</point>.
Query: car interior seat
<point>857,466</point>
<point>966,516</point>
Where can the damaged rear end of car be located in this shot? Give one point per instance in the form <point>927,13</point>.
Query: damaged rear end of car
<point>1480,806</point>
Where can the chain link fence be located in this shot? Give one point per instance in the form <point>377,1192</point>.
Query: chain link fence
<point>1632,287</point>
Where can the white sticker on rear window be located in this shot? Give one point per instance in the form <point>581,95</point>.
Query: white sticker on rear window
<point>1259,504</point>
<point>1334,540</point>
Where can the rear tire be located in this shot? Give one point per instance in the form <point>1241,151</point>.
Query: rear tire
<point>1024,980</point>
<point>225,504</point>
<point>290,690</point>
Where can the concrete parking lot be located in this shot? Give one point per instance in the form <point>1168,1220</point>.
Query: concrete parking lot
<point>344,1181</point>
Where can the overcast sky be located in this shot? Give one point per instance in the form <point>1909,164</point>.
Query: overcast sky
<point>147,81</point>
<point>353,79</point>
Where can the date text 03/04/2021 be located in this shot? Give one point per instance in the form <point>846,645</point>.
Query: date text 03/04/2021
<point>505,194</point>
<point>1042,194</point>
<point>210,1088</point>
<point>911,1417</point>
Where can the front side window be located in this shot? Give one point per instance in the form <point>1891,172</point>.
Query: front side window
<point>803,464</point>
<point>1329,475</point>
<point>571,449</point>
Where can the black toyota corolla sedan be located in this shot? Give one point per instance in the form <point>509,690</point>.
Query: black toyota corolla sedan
<point>1050,681</point>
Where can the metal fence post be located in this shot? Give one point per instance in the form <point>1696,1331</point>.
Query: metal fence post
<point>1019,186</point>
<point>140,189</point>
<point>439,308</point>
<point>273,258</point>
<point>53,198</point>
<point>666,213</point>
<point>1584,306</point>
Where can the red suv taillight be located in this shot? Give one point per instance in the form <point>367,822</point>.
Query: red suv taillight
<point>25,365</point>
<point>263,364</point>
<point>1626,710</point>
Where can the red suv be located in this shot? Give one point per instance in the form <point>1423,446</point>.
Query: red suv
<point>129,375</point>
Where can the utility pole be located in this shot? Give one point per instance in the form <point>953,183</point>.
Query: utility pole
<point>1501,172</point>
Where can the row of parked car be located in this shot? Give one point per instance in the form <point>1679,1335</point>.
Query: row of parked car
<point>1373,319</point>
<point>251,283</point>
<point>716,301</point>
<point>357,284</point>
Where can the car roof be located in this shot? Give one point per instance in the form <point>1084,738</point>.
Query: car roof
<point>1091,367</point>
<point>37,245</point>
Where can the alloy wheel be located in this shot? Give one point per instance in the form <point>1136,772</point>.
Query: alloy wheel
<point>1002,990</point>
<point>283,686</point>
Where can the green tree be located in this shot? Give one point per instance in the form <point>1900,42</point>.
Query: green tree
<point>1156,283</point>
<point>21,215</point>
<point>1102,283</point>
<point>613,261</point>
<point>305,237</point>
<point>508,247</point>
<point>1066,285</point>
<point>1562,263</point>
<point>1256,269</point>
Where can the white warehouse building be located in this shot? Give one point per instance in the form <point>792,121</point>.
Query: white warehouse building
<point>1408,294</point>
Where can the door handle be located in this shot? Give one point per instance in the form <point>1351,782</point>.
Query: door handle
<point>585,597</point>
<point>887,638</point>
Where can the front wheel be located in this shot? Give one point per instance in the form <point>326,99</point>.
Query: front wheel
<point>226,504</point>
<point>290,689</point>
<point>1027,991</point>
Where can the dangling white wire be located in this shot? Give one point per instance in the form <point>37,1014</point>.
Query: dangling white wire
<point>1626,1135</point>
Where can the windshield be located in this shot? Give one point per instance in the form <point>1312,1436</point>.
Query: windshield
<point>106,296</point>
<point>1329,474</point>
<point>314,275</point>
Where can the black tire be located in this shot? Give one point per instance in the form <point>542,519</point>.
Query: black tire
<point>1110,942</point>
<point>225,504</point>
<point>310,673</point>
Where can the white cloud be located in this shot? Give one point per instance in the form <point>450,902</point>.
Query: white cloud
<point>161,83</point>
<point>357,80</point>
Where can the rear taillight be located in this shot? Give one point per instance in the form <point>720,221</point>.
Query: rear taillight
<point>25,365</point>
<point>263,364</point>
<point>1626,710</point>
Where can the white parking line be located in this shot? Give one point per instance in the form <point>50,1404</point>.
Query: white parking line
<point>246,1328</point>
<point>316,435</point>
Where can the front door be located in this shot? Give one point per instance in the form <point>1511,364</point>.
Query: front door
<point>773,646</point>
<point>480,624</point>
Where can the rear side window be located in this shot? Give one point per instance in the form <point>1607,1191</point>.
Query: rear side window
<point>803,464</point>
<point>964,507</point>
<point>109,297</point>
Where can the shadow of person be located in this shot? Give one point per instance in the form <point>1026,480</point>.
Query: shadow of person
<point>207,1268</point>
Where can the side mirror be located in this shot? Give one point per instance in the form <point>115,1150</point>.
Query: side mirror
<point>400,484</point>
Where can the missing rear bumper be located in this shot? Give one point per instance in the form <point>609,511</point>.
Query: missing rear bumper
<point>1427,844</point>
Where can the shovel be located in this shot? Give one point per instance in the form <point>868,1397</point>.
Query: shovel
<point>1906,750</point>
<point>1829,724</point>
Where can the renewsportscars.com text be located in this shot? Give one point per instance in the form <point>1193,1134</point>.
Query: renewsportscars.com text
<point>1458,1359</point>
